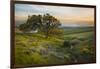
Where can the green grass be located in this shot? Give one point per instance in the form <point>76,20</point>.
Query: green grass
<point>35,49</point>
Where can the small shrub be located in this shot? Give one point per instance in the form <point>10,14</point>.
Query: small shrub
<point>75,42</point>
<point>66,44</point>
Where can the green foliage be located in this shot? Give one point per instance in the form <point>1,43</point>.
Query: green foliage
<point>50,25</point>
<point>24,28</point>
<point>33,48</point>
<point>66,44</point>
<point>45,24</point>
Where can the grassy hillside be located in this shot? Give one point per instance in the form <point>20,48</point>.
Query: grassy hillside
<point>74,46</point>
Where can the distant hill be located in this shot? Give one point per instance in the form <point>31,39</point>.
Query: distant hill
<point>70,30</point>
<point>87,27</point>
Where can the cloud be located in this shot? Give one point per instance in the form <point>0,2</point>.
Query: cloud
<point>66,14</point>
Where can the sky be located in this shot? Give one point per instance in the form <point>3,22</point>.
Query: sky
<point>68,16</point>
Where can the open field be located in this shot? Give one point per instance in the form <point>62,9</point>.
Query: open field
<point>76,45</point>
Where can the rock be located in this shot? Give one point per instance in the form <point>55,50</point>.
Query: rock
<point>75,42</point>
